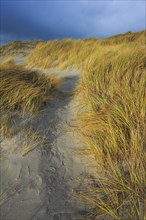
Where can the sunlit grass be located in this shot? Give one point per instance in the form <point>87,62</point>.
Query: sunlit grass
<point>30,139</point>
<point>24,91</point>
<point>112,90</point>
<point>70,52</point>
<point>17,48</point>
<point>114,128</point>
<point>112,124</point>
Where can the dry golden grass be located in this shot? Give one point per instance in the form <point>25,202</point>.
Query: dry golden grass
<point>114,128</point>
<point>24,91</point>
<point>30,138</point>
<point>68,52</point>
<point>17,48</point>
<point>126,38</point>
<point>8,63</point>
<point>112,90</point>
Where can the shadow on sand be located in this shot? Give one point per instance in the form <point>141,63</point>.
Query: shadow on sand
<point>55,172</point>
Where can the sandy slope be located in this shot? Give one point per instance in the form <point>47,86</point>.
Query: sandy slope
<point>41,184</point>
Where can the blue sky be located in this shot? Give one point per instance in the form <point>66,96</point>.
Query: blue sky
<point>34,19</point>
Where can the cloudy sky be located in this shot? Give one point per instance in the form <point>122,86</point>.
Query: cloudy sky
<point>38,19</point>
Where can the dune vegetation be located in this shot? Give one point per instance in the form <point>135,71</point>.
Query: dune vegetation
<point>112,90</point>
<point>24,91</point>
<point>17,48</point>
<point>112,117</point>
<point>70,52</point>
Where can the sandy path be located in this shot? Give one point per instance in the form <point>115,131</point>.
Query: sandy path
<point>41,185</point>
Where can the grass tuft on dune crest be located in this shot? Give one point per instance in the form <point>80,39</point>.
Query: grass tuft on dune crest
<point>69,52</point>
<point>17,48</point>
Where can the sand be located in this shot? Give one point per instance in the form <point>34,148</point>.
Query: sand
<point>41,185</point>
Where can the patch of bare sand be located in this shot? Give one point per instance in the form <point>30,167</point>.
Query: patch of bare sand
<point>41,184</point>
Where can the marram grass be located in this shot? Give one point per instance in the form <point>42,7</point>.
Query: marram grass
<point>24,91</point>
<point>70,52</point>
<point>112,91</point>
<point>113,126</point>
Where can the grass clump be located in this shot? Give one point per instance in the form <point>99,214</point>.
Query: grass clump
<point>24,91</point>
<point>17,48</point>
<point>69,52</point>
<point>113,126</point>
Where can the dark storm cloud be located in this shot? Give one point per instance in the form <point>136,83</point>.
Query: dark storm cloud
<point>76,19</point>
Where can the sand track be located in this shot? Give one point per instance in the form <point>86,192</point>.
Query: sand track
<point>41,184</point>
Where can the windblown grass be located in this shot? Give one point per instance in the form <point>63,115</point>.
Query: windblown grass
<point>17,48</point>
<point>114,129</point>
<point>25,91</point>
<point>30,138</point>
<point>112,90</point>
<point>68,52</point>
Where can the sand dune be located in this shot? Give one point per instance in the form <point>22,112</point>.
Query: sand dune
<point>41,184</point>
